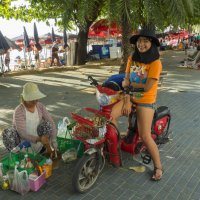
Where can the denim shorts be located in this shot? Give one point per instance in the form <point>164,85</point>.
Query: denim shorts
<point>147,105</point>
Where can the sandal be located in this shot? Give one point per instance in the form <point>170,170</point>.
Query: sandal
<point>157,176</point>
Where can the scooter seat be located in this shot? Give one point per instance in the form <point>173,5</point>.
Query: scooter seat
<point>161,112</point>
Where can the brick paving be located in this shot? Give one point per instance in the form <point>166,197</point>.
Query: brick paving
<point>180,157</point>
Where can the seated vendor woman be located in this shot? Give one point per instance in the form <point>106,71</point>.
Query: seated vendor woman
<point>32,123</point>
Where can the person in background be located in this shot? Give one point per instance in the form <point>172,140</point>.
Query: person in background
<point>31,122</point>
<point>143,71</point>
<point>7,60</point>
<point>193,60</point>
<point>36,53</point>
<point>54,52</point>
<point>66,48</point>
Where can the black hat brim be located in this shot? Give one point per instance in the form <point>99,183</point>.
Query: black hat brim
<point>134,39</point>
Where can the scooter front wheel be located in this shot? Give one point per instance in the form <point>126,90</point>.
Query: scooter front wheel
<point>85,173</point>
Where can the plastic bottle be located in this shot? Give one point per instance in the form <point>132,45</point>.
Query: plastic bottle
<point>29,164</point>
<point>26,158</point>
<point>1,174</point>
<point>49,161</point>
<point>3,179</point>
<point>17,164</point>
<point>47,167</point>
<point>24,161</point>
<point>1,170</point>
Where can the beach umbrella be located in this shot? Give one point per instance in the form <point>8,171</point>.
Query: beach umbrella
<point>4,46</point>
<point>53,37</point>
<point>12,44</point>
<point>26,41</point>
<point>47,38</point>
<point>19,38</point>
<point>36,38</point>
<point>3,49</point>
<point>103,28</point>
<point>65,39</point>
<point>27,46</point>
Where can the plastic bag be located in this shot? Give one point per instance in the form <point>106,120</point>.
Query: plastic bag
<point>20,182</point>
<point>63,128</point>
<point>69,155</point>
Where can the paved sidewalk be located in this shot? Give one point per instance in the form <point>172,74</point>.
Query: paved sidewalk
<point>68,90</point>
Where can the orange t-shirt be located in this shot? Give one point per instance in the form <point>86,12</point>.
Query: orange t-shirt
<point>139,72</point>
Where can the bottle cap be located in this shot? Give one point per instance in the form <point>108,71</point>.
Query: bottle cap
<point>49,161</point>
<point>17,162</point>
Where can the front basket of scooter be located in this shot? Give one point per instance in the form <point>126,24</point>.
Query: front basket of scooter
<point>86,131</point>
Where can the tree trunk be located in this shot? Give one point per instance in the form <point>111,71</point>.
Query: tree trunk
<point>82,46</point>
<point>126,46</point>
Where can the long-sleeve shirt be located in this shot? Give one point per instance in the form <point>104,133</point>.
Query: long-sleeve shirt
<point>19,123</point>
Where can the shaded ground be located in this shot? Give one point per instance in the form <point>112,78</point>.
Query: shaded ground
<point>69,90</point>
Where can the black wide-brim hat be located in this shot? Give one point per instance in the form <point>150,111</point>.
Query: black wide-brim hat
<point>145,32</point>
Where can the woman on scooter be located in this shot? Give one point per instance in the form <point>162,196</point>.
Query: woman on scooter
<point>143,71</point>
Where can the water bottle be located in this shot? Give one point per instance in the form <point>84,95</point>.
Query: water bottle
<point>3,179</point>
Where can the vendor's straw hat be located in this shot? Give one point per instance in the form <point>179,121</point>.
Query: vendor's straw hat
<point>148,32</point>
<point>31,92</point>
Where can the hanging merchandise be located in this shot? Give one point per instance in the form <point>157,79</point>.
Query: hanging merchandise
<point>1,170</point>
<point>5,183</point>
<point>20,182</point>
<point>63,128</point>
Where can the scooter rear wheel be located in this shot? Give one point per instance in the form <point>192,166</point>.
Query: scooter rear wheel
<point>85,173</point>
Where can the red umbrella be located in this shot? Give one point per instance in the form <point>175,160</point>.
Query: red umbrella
<point>104,28</point>
<point>47,38</point>
<point>101,34</point>
<point>179,35</point>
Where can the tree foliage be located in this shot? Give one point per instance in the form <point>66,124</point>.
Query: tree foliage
<point>130,14</point>
<point>162,13</point>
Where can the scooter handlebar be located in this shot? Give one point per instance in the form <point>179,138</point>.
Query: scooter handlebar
<point>130,90</point>
<point>92,81</point>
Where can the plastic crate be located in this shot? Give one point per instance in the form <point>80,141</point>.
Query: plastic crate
<point>10,160</point>
<point>37,183</point>
<point>65,144</point>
